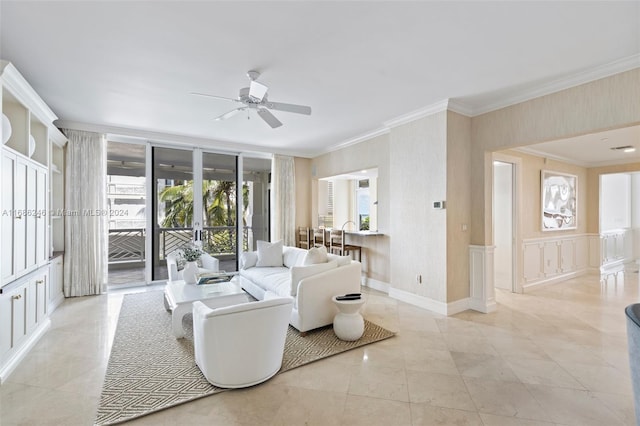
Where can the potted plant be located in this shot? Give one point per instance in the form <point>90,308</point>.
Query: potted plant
<point>190,254</point>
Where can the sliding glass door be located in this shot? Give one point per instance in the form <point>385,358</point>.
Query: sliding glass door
<point>176,196</point>
<point>173,211</point>
<point>219,208</point>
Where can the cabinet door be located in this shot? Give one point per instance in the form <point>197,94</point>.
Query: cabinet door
<point>42,298</point>
<point>20,219</point>
<point>30,300</point>
<point>41,217</point>
<point>18,316</point>
<point>5,324</point>
<point>31,217</point>
<point>7,217</point>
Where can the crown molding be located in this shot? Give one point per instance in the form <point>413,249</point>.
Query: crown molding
<point>417,114</point>
<point>586,76</point>
<point>176,139</point>
<point>587,165</point>
<point>535,152</point>
<point>20,89</point>
<point>460,107</point>
<point>355,140</point>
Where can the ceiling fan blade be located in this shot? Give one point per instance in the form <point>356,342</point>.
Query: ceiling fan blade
<point>257,90</point>
<point>298,109</point>
<point>229,114</point>
<point>216,97</point>
<point>269,118</point>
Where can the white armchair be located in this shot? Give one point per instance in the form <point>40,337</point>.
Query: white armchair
<point>241,345</point>
<point>209,264</point>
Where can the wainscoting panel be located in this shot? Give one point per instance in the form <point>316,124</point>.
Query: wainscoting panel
<point>555,258</point>
<point>614,248</point>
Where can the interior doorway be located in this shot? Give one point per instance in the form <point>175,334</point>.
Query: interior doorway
<point>505,222</point>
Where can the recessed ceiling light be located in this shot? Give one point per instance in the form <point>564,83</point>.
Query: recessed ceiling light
<point>363,171</point>
<point>632,149</point>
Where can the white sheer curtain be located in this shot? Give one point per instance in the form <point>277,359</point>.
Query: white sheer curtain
<point>85,239</point>
<point>283,200</point>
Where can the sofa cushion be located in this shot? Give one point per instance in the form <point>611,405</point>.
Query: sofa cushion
<point>342,260</point>
<point>269,254</point>
<point>248,259</point>
<point>315,255</point>
<point>300,272</point>
<point>293,256</point>
<point>274,279</point>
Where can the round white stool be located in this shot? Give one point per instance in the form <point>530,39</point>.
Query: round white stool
<point>348,324</point>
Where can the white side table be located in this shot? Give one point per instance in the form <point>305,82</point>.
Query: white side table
<point>348,324</point>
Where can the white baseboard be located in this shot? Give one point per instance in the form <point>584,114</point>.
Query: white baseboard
<point>53,305</point>
<point>377,285</point>
<point>429,304</point>
<point>420,301</point>
<point>7,368</point>
<point>481,306</point>
<point>554,280</point>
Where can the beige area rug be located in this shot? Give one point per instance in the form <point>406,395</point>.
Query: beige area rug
<point>150,370</point>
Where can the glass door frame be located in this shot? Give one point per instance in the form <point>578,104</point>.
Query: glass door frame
<point>197,226</point>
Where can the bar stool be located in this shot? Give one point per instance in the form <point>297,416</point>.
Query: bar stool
<point>304,240</point>
<point>319,239</point>
<point>338,246</point>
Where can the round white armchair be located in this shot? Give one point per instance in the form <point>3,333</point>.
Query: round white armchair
<point>241,345</point>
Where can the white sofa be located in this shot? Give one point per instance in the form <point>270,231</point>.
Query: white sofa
<point>311,286</point>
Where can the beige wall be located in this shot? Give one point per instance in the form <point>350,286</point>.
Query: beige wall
<point>593,179</point>
<point>603,104</point>
<point>531,208</point>
<point>418,164</point>
<point>458,205</point>
<point>368,154</point>
<point>447,156</point>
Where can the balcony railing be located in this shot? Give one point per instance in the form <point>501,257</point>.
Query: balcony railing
<point>127,245</point>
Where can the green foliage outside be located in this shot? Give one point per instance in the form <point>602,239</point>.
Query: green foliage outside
<point>219,205</point>
<point>364,223</point>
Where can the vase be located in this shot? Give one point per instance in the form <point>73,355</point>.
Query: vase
<point>190,272</point>
<point>6,129</point>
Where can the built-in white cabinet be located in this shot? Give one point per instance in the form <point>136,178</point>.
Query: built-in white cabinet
<point>24,221</point>
<point>24,311</point>
<point>33,153</point>
<point>56,276</point>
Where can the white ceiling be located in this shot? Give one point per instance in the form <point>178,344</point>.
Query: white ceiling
<point>131,65</point>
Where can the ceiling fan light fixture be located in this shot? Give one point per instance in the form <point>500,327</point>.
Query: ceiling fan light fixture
<point>257,90</point>
<point>627,150</point>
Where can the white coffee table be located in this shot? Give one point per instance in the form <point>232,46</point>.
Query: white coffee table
<point>180,296</point>
<point>348,324</point>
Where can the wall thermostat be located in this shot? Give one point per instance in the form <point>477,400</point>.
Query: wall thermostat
<point>438,204</point>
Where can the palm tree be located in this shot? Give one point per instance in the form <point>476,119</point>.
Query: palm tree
<point>178,201</point>
<point>219,205</point>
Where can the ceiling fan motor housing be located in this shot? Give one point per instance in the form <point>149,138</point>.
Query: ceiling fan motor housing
<point>243,96</point>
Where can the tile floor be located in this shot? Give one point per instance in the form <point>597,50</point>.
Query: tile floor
<point>555,356</point>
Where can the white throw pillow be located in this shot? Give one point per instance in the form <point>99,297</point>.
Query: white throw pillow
<point>269,254</point>
<point>248,259</point>
<point>300,272</point>
<point>315,255</point>
<point>342,260</point>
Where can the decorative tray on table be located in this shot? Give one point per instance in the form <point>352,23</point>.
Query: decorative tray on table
<point>214,277</point>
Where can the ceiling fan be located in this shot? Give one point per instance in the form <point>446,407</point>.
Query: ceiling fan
<point>255,97</point>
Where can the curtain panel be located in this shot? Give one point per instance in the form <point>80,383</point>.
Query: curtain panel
<point>85,259</point>
<point>283,200</point>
